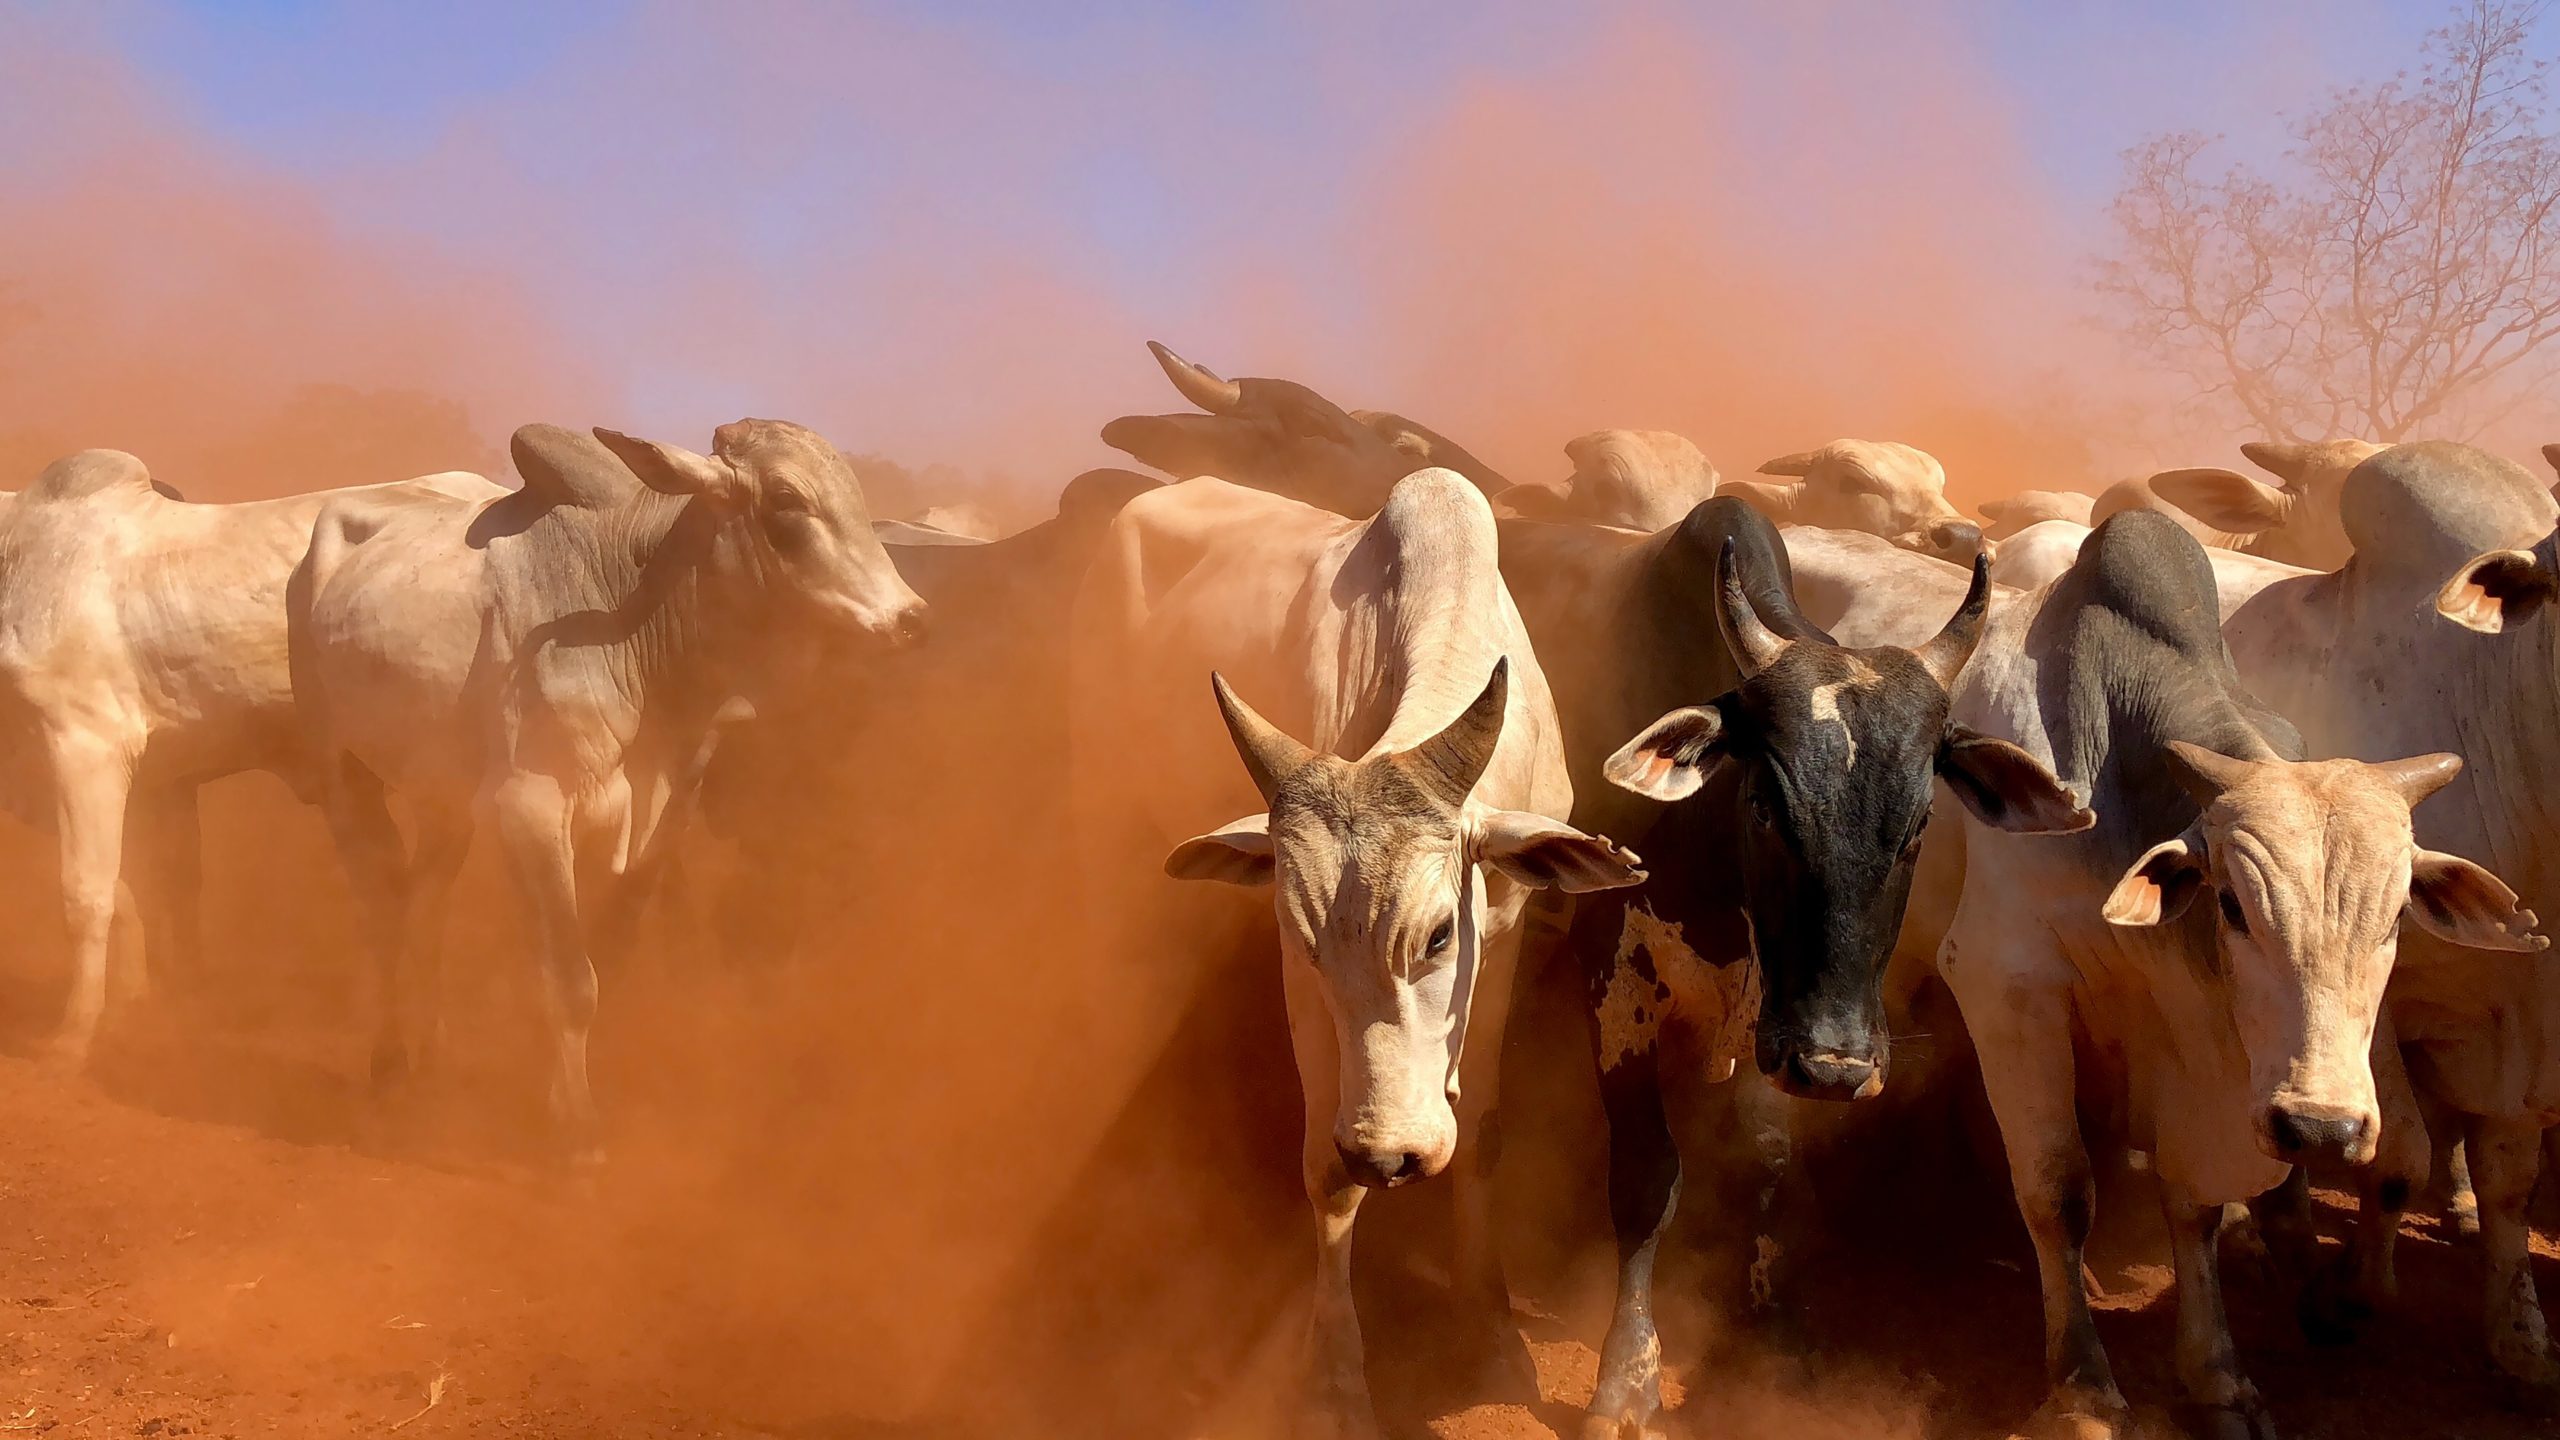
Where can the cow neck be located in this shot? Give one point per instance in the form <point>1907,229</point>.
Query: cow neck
<point>655,558</point>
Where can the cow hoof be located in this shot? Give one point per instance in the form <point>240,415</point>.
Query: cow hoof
<point>1617,1427</point>
<point>64,1055</point>
<point>2079,1417</point>
<point>1501,1366</point>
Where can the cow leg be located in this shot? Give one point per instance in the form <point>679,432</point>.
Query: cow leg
<point>2339,1299</point>
<point>444,842</point>
<point>2505,1154</point>
<point>370,851</point>
<point>1644,1191</point>
<point>1784,1211</point>
<point>92,784</point>
<point>535,825</point>
<point>1336,1403</point>
<point>2208,1363</point>
<point>1484,1294</point>
<point>2024,1037</point>
<point>2457,1204</point>
<point>170,902</point>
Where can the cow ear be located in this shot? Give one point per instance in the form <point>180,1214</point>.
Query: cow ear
<point>2224,499</point>
<point>2008,789</point>
<point>2496,590</point>
<point>1548,854</point>
<point>1775,500</point>
<point>669,469</point>
<point>1238,853</point>
<point>1668,759</point>
<point>2457,901</point>
<point>2158,888</point>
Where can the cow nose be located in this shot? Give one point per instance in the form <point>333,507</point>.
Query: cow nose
<point>1960,540</point>
<point>2314,1133</point>
<point>1826,1075</point>
<point>1380,1169</point>
<point>911,626</point>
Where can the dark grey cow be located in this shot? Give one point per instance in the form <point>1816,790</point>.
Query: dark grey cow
<point>2201,975</point>
<point>1782,781</point>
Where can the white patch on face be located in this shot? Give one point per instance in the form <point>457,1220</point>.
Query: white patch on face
<point>1825,704</point>
<point>1719,1004</point>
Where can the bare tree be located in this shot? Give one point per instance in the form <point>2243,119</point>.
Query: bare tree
<point>2397,277</point>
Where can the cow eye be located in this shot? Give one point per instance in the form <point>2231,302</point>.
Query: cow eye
<point>1441,934</point>
<point>2231,914</point>
<point>788,501</point>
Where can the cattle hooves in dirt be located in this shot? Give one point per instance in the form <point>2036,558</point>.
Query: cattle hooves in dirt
<point>1601,1427</point>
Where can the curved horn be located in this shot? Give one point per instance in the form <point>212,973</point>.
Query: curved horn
<point>2206,773</point>
<point>1944,656</point>
<point>2420,776</point>
<point>1270,755</point>
<point>1754,645</point>
<point>1450,763</point>
<point>2283,459</point>
<point>2551,456</point>
<point>1200,386</point>
<point>1800,463</point>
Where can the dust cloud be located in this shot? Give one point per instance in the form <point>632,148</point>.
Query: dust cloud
<point>904,1145</point>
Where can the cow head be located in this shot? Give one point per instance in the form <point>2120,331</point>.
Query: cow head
<point>1274,435</point>
<point>1375,865</point>
<point>2014,513</point>
<point>1828,754</point>
<point>1639,479</point>
<point>791,519</point>
<point>2298,521</point>
<point>1880,487</point>
<point>2311,868</point>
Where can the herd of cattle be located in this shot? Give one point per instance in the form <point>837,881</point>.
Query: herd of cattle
<point>2240,822</point>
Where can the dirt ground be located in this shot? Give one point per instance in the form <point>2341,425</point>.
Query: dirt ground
<point>901,1195</point>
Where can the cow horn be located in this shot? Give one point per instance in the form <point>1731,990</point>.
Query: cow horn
<point>2283,459</point>
<point>1450,763</point>
<point>1944,656</point>
<point>2205,774</point>
<point>1800,463</point>
<point>1270,755</point>
<point>1754,645</point>
<point>2420,776</point>
<point>1200,386</point>
<point>2551,456</point>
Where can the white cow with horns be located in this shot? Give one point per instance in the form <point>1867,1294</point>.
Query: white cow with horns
<point>1399,838</point>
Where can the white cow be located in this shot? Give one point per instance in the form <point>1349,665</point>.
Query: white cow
<point>558,660</point>
<point>2295,522</point>
<point>1399,838</point>
<point>1638,479</point>
<point>2037,555</point>
<point>2013,513</point>
<point>2201,976</point>
<point>2364,662</point>
<point>1878,487</point>
<point>142,650</point>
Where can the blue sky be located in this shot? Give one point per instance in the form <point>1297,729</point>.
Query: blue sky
<point>761,205</point>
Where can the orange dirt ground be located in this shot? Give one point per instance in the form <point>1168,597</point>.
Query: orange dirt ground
<point>217,1233</point>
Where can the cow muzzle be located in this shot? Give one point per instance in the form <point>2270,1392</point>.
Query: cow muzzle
<point>2300,1132</point>
<point>1827,1075</point>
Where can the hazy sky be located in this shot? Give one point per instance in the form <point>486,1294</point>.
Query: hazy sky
<point>943,229</point>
